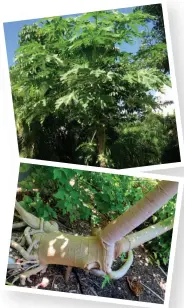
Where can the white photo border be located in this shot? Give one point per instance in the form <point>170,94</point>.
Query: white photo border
<point>54,11</point>
<point>132,173</point>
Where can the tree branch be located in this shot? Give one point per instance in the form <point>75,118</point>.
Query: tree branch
<point>138,213</point>
<point>133,240</point>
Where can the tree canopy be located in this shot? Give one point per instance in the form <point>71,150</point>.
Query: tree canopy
<point>80,97</point>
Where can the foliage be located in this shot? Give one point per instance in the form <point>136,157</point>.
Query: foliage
<point>153,137</point>
<point>41,209</point>
<point>93,196</point>
<point>170,153</point>
<point>123,256</point>
<point>160,247</point>
<point>158,22</point>
<point>77,88</point>
<point>158,30</point>
<point>84,194</point>
<point>106,281</point>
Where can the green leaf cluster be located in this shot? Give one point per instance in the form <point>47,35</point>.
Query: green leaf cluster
<point>72,78</point>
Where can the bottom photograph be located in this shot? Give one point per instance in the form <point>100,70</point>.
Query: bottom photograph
<point>92,233</point>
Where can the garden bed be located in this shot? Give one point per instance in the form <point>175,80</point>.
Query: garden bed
<point>81,282</point>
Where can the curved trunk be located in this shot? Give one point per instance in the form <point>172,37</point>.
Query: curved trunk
<point>100,251</point>
<point>33,221</point>
<point>138,213</point>
<point>70,250</point>
<point>136,239</point>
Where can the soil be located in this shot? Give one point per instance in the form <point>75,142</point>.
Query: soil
<point>81,282</point>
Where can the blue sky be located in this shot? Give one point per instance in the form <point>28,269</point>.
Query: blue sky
<point>11,30</point>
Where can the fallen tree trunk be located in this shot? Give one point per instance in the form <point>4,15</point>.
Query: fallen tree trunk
<point>139,212</point>
<point>98,252</point>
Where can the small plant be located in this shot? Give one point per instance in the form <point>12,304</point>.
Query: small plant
<point>106,280</point>
<point>123,256</point>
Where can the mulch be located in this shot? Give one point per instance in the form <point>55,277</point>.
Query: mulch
<point>81,282</point>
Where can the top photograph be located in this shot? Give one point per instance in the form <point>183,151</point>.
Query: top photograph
<point>94,88</point>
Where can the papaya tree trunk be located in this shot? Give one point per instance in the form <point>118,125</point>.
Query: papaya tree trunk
<point>138,213</point>
<point>101,140</point>
<point>99,251</point>
<point>136,239</point>
<point>133,217</point>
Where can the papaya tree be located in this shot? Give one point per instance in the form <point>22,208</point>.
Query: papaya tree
<point>77,83</point>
